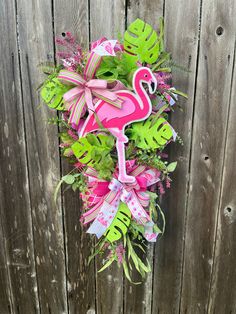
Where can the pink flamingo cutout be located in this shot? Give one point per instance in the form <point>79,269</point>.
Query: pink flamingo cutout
<point>136,107</point>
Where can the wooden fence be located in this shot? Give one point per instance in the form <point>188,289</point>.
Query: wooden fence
<point>43,249</point>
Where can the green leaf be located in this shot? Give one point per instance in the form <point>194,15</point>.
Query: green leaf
<point>113,68</point>
<point>57,191</point>
<point>164,57</point>
<point>141,43</point>
<point>49,68</point>
<point>92,149</point>
<point>178,92</point>
<point>52,93</point>
<point>150,136</point>
<point>120,224</point>
<point>110,261</point>
<point>171,167</point>
<point>68,179</point>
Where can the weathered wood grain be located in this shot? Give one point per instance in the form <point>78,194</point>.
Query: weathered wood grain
<point>150,11</point>
<point>209,132</point>
<point>5,284</point>
<point>107,18</point>
<point>36,45</point>
<point>222,298</point>
<point>18,272</point>
<point>44,250</point>
<point>80,276</point>
<point>138,298</point>
<point>183,46</point>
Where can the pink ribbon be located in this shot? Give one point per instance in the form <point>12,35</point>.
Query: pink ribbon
<point>104,198</point>
<point>86,89</point>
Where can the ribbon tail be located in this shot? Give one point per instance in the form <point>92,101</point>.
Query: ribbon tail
<point>76,110</point>
<point>103,219</point>
<point>137,211</point>
<point>108,97</point>
<point>149,234</point>
<point>93,63</point>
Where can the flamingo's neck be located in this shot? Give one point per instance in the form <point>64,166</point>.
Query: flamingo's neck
<point>145,103</point>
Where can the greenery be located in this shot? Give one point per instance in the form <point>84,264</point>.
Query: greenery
<point>120,223</point>
<point>116,68</point>
<point>52,93</point>
<point>147,134</point>
<point>95,151</point>
<point>141,43</point>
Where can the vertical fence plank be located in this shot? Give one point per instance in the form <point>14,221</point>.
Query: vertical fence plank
<point>36,45</point>
<point>81,279</point>
<point>181,36</point>
<point>5,285</point>
<point>81,282</point>
<point>107,18</point>
<point>209,130</point>
<point>14,203</point>
<point>223,290</point>
<point>138,298</point>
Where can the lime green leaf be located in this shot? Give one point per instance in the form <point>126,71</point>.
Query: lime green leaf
<point>148,135</point>
<point>171,167</point>
<point>120,224</point>
<point>92,149</point>
<point>52,93</point>
<point>141,43</point>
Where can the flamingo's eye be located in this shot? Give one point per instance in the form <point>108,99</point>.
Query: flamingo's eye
<point>145,75</point>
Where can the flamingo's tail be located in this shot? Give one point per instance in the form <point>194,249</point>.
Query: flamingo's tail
<point>90,125</point>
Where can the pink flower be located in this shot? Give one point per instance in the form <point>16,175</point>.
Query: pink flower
<point>79,166</point>
<point>167,183</point>
<point>161,188</point>
<point>71,133</point>
<point>120,251</point>
<point>72,53</point>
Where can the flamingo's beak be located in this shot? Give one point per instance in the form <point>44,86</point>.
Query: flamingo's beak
<point>152,86</point>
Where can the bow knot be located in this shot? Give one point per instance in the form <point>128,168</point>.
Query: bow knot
<point>86,90</point>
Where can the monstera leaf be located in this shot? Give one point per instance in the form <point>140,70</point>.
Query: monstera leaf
<point>120,223</point>
<point>141,43</point>
<point>148,135</point>
<point>52,93</point>
<point>91,150</point>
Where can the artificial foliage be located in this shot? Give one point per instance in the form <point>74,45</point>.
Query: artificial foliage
<point>113,103</point>
<point>149,135</point>
<point>141,43</point>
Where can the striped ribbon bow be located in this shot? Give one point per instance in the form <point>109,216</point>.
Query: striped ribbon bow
<point>104,198</point>
<point>86,88</point>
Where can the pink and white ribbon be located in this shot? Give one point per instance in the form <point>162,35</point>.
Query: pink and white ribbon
<point>104,199</point>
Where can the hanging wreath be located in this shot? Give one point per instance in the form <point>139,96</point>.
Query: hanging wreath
<point>113,105</point>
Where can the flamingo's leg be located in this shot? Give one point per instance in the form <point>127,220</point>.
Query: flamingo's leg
<point>119,135</point>
<point>123,177</point>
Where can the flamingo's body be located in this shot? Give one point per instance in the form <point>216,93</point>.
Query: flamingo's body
<point>135,107</point>
<point>112,117</point>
